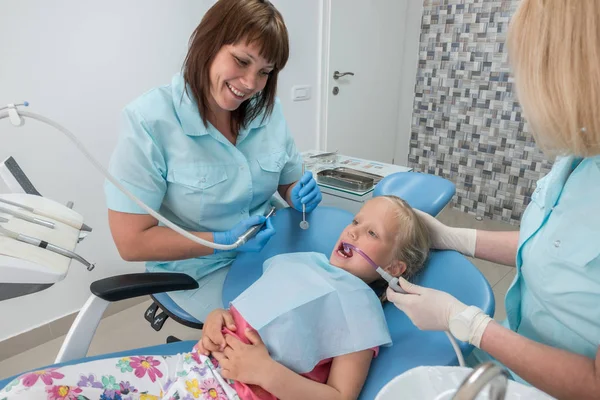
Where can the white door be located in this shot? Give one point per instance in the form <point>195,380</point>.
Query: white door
<point>366,38</point>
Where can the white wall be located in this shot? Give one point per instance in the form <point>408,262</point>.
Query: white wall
<point>79,63</point>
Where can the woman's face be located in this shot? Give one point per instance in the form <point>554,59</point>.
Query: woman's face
<point>236,74</point>
<point>374,231</point>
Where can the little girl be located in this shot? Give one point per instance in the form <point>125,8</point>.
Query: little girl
<point>234,361</point>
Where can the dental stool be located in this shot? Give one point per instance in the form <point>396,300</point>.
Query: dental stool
<point>445,270</point>
<point>428,193</point>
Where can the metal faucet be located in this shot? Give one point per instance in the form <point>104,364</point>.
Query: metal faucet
<point>483,374</point>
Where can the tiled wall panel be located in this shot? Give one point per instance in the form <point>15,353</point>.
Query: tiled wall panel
<point>467,125</point>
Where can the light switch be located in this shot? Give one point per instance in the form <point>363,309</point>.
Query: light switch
<point>300,93</point>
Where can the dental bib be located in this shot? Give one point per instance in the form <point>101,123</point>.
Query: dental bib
<point>307,310</point>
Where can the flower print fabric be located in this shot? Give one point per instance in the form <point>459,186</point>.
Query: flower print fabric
<point>188,376</point>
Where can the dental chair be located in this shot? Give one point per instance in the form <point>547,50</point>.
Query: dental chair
<point>445,270</point>
<point>428,193</point>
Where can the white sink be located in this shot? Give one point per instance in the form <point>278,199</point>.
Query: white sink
<point>440,383</point>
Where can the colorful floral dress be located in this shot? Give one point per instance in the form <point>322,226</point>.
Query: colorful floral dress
<point>187,376</point>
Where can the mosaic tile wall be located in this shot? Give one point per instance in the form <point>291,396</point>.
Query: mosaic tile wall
<point>466,124</point>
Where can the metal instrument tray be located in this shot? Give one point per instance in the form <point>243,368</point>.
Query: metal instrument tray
<point>345,180</point>
<point>376,178</point>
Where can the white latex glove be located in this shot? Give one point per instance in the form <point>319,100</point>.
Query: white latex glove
<point>433,310</point>
<point>445,237</point>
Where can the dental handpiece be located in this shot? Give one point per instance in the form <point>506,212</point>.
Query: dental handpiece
<point>249,234</point>
<point>45,245</point>
<point>27,218</point>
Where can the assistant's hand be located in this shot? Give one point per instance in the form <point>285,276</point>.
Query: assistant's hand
<point>428,309</point>
<point>445,237</point>
<point>306,191</point>
<point>433,310</point>
<point>255,244</point>
<point>246,363</point>
<point>212,331</point>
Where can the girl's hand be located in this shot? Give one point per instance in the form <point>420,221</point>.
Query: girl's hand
<point>246,363</point>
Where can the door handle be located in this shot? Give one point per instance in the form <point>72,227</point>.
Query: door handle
<point>337,74</point>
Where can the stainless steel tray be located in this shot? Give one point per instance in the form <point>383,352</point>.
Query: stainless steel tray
<point>376,178</point>
<point>345,180</point>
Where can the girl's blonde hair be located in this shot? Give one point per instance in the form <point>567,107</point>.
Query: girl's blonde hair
<point>412,241</point>
<point>555,56</point>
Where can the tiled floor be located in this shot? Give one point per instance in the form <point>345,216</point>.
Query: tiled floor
<point>128,329</point>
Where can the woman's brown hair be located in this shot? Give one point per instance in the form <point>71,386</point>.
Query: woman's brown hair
<point>228,22</point>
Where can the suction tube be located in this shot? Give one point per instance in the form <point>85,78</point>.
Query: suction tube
<point>14,114</point>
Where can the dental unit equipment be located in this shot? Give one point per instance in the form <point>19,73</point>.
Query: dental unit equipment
<point>15,115</point>
<point>42,213</point>
<point>304,222</point>
<point>393,284</point>
<point>44,245</point>
<point>27,218</point>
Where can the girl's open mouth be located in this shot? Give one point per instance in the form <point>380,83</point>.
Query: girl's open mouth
<point>344,250</point>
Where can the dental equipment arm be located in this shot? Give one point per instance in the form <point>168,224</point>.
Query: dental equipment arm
<point>561,374</point>
<point>11,111</point>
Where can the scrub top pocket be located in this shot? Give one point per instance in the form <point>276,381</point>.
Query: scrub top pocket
<point>267,173</point>
<point>197,192</point>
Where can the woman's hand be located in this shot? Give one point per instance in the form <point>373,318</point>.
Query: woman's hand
<point>306,191</point>
<point>434,310</point>
<point>212,337</point>
<point>256,243</point>
<point>445,237</point>
<point>246,363</point>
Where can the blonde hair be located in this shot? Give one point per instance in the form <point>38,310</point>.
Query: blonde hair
<point>555,56</point>
<point>412,238</point>
<point>412,242</point>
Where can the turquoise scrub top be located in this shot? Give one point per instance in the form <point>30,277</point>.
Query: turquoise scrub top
<point>555,296</point>
<point>192,174</point>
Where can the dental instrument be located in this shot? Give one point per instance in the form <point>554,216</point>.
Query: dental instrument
<point>395,286</point>
<point>44,245</point>
<point>391,280</point>
<point>27,218</point>
<point>254,230</point>
<point>82,227</point>
<point>303,224</point>
<point>16,118</point>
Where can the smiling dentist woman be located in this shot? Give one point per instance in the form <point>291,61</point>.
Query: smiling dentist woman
<point>552,332</point>
<point>209,151</point>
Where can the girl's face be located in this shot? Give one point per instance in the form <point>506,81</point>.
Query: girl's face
<point>374,231</point>
<point>237,73</point>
